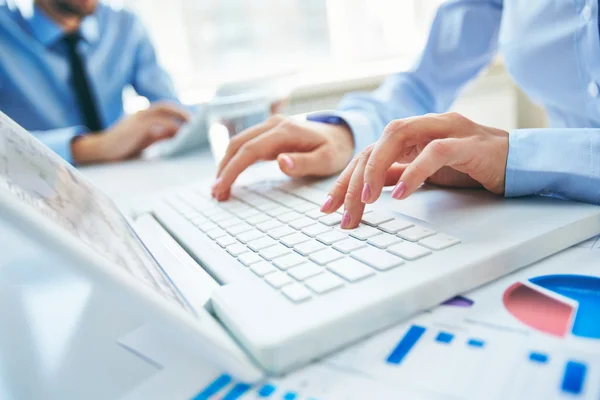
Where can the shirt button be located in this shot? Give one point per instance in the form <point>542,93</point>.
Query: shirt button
<point>586,12</point>
<point>593,89</point>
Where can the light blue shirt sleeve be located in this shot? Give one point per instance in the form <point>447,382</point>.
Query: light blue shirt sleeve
<point>59,140</point>
<point>562,163</point>
<point>462,41</point>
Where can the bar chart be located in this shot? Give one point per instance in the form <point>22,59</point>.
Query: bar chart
<point>224,387</point>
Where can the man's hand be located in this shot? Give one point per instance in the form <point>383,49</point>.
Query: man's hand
<point>130,136</point>
<point>446,149</point>
<point>302,148</point>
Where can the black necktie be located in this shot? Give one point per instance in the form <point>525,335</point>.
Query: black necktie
<point>81,85</point>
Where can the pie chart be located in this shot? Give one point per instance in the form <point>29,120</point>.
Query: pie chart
<point>559,305</point>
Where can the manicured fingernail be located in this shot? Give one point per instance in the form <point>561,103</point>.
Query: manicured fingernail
<point>346,219</point>
<point>399,190</point>
<point>216,183</point>
<point>366,193</point>
<point>287,160</point>
<point>327,204</point>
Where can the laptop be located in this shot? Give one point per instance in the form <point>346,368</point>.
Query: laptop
<point>265,283</point>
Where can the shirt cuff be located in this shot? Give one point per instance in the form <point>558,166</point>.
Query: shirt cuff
<point>359,124</point>
<point>59,140</point>
<point>551,162</point>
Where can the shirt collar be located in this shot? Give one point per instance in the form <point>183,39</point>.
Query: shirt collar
<point>49,32</point>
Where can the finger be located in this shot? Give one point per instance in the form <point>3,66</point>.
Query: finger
<point>315,163</point>
<point>401,135</point>
<point>335,197</point>
<point>436,155</point>
<point>243,137</point>
<point>394,173</point>
<point>170,110</point>
<point>263,147</point>
<point>353,205</point>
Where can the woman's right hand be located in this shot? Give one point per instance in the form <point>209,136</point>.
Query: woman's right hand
<point>302,148</point>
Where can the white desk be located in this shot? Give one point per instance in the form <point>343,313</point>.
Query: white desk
<point>58,335</point>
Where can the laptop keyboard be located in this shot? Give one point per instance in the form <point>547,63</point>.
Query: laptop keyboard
<point>283,238</point>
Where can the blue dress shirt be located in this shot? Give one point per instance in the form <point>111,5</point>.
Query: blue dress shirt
<point>34,70</point>
<point>552,50</point>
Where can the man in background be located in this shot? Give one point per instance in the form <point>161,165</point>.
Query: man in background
<point>63,67</point>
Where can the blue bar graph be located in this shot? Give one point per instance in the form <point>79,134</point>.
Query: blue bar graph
<point>237,391</point>
<point>444,337</point>
<point>475,343</point>
<point>539,358</point>
<point>290,396</point>
<point>406,344</point>
<point>266,390</point>
<point>574,377</point>
<point>214,388</point>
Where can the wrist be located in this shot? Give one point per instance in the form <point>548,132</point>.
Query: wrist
<point>87,149</point>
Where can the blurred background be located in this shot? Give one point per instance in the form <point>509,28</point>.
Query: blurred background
<point>314,43</point>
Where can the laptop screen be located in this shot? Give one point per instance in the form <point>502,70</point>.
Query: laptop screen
<point>42,180</point>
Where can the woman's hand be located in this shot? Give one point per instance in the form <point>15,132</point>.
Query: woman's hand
<point>302,148</point>
<point>445,149</point>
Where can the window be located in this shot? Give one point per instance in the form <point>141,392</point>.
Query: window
<point>203,43</point>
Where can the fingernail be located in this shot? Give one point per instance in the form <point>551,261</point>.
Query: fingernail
<point>399,190</point>
<point>327,204</point>
<point>346,219</point>
<point>288,161</point>
<point>366,193</point>
<point>216,183</point>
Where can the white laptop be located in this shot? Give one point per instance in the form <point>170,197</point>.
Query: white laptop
<point>264,282</point>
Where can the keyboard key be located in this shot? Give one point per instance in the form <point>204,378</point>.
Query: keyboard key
<point>376,258</point>
<point>278,279</point>
<point>248,213</point>
<point>267,205</point>
<point>439,242</point>
<point>309,247</point>
<point>384,241</point>
<point>416,233</point>
<point>305,271</point>
<point>349,269</point>
<point>226,240</point>
<point>291,201</point>
<point>409,251</point>
<point>294,239</point>
<point>315,213</point>
<point>349,245</point>
<point>395,226</point>
<point>296,292</point>
<point>198,220</point>
<point>316,229</point>
<point>272,252</point>
<point>331,237</point>
<point>209,226</point>
<point>219,216</point>
<point>268,225</point>
<point>303,207</point>
<point>258,218</point>
<point>303,222</point>
<point>216,233</point>
<point>324,283</point>
<point>375,218</point>
<point>288,261</point>
<point>278,233</point>
<point>249,258</point>
<point>363,232</point>
<point>325,256</point>
<point>262,243</point>
<point>239,228</point>
<point>331,219</point>
<point>249,235</point>
<point>229,222</point>
<point>276,211</point>
<point>237,249</point>
<point>262,268</point>
<point>290,216</point>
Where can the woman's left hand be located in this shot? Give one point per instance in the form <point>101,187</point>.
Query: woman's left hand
<point>443,149</point>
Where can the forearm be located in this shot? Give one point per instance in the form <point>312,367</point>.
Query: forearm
<point>557,162</point>
<point>60,140</point>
